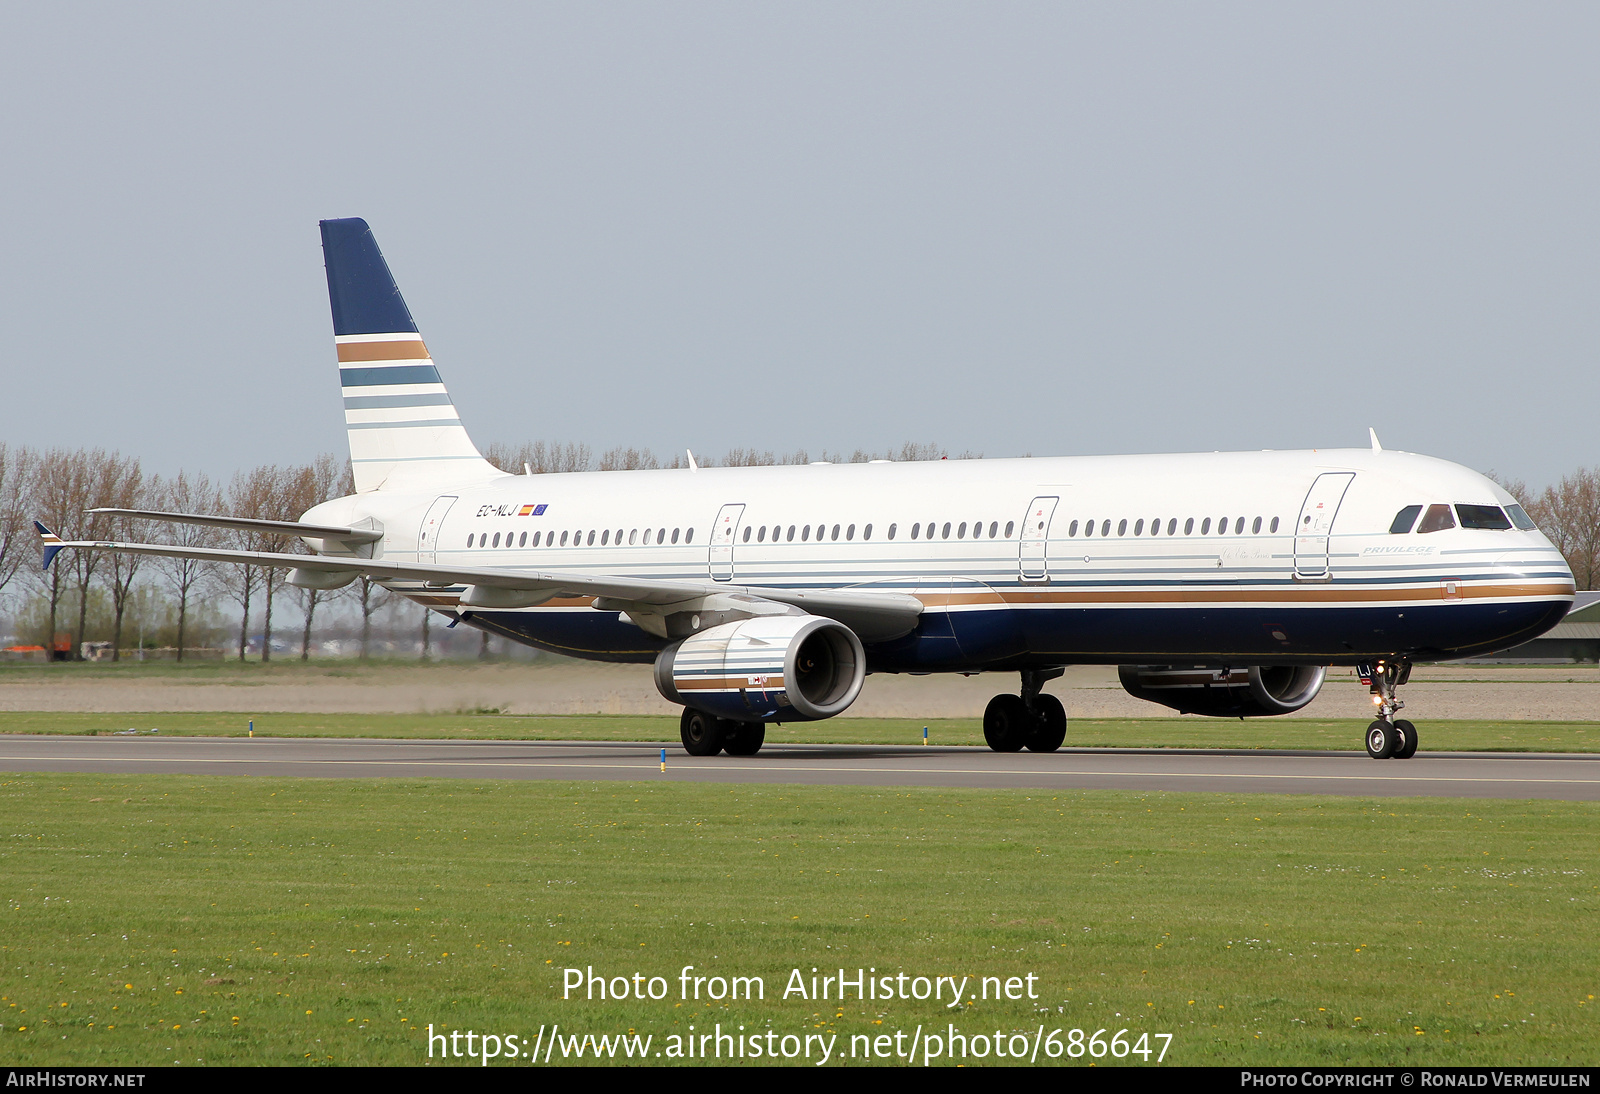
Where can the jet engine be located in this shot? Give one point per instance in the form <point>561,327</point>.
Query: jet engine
<point>1225,693</point>
<point>785,668</point>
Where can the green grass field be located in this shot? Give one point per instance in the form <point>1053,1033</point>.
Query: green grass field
<point>1193,732</point>
<point>155,919</point>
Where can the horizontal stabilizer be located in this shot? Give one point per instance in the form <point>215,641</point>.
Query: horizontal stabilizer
<point>350,536</point>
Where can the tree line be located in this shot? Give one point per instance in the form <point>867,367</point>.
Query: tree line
<point>59,486</point>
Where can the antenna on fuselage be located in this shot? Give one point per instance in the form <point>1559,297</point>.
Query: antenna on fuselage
<point>692,465</point>
<point>1373,433</point>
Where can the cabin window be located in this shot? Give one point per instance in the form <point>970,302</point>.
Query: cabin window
<point>835,531</point>
<point>961,531</point>
<point>675,535</point>
<point>1009,525</point>
<point>1274,527</point>
<point>892,529</point>
<point>661,536</point>
<point>866,533</point>
<point>1222,526</point>
<point>469,539</point>
<point>1405,520</point>
<point>1205,527</point>
<point>1172,526</point>
<point>633,537</point>
<point>1155,527</point>
<point>914,530</point>
<point>749,530</point>
<point>1105,528</point>
<point>1487,517</point>
<point>563,539</point>
<point>994,529</point>
<point>1088,527</point>
<point>850,532</point>
<point>1122,527</point>
<point>1138,527</point>
<point>1520,518</point>
<point>536,537</point>
<point>618,538</point>
<point>1255,529</point>
<point>605,537</point>
<point>805,532</point>
<point>790,536</point>
<point>522,540</point>
<point>497,539</point>
<point>1238,526</point>
<point>1072,529</point>
<point>688,535</point>
<point>761,536</point>
<point>1188,527</point>
<point>590,541</point>
<point>946,533</point>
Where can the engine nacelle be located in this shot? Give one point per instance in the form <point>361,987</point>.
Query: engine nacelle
<point>786,668</point>
<point>1225,693</point>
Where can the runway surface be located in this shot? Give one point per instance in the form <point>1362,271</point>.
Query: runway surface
<point>1559,776</point>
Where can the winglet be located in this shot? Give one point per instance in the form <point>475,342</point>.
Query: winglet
<point>1373,433</point>
<point>52,544</point>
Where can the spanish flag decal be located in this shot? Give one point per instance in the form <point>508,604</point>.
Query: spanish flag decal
<point>531,511</point>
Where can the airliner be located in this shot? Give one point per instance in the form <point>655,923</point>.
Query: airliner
<point>1219,584</point>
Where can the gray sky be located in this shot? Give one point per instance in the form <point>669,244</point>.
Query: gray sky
<point>1057,229</point>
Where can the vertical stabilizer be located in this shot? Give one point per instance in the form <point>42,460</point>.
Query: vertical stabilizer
<point>404,430</point>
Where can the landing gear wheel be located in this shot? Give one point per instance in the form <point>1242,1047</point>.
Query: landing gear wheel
<point>1408,739</point>
<point>702,734</point>
<point>744,738</point>
<point>1007,723</point>
<point>1050,724</point>
<point>1382,740</point>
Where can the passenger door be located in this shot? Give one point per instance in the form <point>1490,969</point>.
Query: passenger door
<point>722,533</point>
<point>1035,534</point>
<point>1315,525</point>
<point>428,534</point>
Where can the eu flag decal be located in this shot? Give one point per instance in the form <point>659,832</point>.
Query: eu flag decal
<point>531,511</point>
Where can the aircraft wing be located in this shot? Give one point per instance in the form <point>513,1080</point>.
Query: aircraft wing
<point>876,616</point>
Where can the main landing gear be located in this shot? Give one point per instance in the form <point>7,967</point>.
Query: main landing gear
<point>1389,738</point>
<point>706,735</point>
<point>1032,720</point>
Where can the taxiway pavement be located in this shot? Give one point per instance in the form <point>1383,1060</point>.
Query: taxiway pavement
<point>1557,776</point>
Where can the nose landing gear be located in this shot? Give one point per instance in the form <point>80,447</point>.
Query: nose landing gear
<point>1032,720</point>
<point>1388,737</point>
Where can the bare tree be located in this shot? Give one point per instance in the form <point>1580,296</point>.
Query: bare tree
<point>16,533</point>
<point>1569,513</point>
<point>322,479</point>
<point>187,494</point>
<point>540,458</point>
<point>248,495</point>
<point>126,489</point>
<point>60,491</point>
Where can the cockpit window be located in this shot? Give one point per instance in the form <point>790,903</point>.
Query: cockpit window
<point>1404,519</point>
<point>1520,518</point>
<point>1436,519</point>
<point>1482,516</point>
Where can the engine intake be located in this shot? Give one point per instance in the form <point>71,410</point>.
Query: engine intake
<point>1255,692</point>
<point>789,668</point>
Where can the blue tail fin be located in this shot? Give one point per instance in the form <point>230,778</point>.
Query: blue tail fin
<point>404,430</point>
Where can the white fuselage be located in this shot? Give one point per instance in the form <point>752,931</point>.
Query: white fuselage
<point>1204,558</point>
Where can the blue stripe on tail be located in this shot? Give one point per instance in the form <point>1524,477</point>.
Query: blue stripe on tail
<point>361,289</point>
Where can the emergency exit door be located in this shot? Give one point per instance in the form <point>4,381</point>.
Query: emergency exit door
<point>722,536</point>
<point>1035,535</point>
